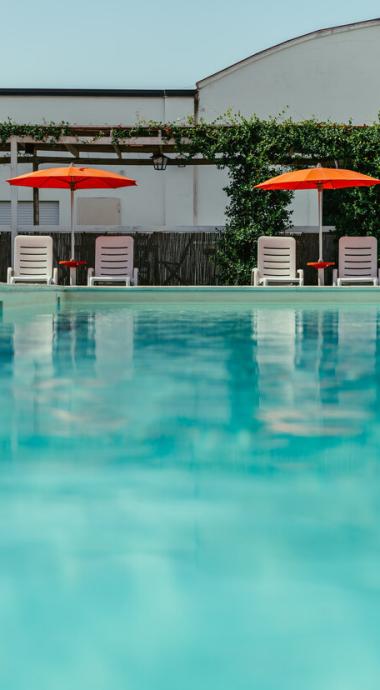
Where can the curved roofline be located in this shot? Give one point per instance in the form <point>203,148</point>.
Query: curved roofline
<point>320,33</point>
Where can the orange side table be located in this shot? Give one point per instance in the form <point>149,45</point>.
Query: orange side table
<point>320,267</point>
<point>72,264</point>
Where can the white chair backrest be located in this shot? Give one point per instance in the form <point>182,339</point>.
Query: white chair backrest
<point>114,256</point>
<point>33,256</point>
<point>357,257</point>
<point>276,257</point>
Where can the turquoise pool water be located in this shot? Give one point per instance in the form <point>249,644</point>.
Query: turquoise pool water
<point>190,498</point>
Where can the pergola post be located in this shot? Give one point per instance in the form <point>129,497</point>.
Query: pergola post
<point>14,194</point>
<point>36,199</point>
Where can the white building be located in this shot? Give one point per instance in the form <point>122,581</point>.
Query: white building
<point>328,74</point>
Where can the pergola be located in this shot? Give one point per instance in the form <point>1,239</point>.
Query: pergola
<point>97,145</point>
<point>87,145</point>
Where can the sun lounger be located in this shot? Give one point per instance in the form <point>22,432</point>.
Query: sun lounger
<point>358,261</point>
<point>33,260</point>
<point>113,261</point>
<point>276,262</point>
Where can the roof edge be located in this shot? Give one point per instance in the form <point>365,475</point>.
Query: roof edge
<point>110,93</point>
<point>319,33</point>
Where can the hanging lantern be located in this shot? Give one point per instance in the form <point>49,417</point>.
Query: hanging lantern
<point>159,161</point>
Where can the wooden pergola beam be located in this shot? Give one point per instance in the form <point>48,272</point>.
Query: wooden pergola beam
<point>98,141</point>
<point>91,149</point>
<point>117,150</point>
<point>43,160</point>
<point>179,162</point>
<point>73,150</point>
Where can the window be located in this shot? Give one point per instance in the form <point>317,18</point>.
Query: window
<point>49,213</point>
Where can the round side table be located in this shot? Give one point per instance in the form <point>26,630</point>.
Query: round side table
<point>320,267</point>
<point>72,264</point>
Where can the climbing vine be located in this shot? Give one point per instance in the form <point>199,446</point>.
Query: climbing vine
<point>251,150</point>
<point>49,132</point>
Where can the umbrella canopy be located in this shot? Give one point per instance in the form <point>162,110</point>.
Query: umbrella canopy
<point>73,178</point>
<point>319,178</point>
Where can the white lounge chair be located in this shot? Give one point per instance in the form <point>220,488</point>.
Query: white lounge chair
<point>113,261</point>
<point>358,261</point>
<point>276,262</point>
<point>33,260</point>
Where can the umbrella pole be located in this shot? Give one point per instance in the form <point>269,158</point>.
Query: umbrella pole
<point>72,222</point>
<point>72,252</point>
<point>321,274</point>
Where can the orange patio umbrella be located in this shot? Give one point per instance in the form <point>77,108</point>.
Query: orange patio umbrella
<point>73,178</point>
<point>319,178</point>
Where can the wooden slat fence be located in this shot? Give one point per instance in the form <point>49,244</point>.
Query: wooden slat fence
<point>170,258</point>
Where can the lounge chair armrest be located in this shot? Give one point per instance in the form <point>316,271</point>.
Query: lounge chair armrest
<point>335,277</point>
<point>255,277</point>
<point>135,279</point>
<point>90,273</point>
<point>55,276</point>
<point>300,275</point>
<point>9,274</point>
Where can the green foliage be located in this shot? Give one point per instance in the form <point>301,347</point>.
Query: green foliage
<point>49,132</point>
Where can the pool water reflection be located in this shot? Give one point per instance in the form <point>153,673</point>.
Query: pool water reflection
<point>190,498</point>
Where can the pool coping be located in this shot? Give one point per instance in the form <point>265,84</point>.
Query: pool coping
<point>25,295</point>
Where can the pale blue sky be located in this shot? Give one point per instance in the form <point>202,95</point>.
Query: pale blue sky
<point>151,43</point>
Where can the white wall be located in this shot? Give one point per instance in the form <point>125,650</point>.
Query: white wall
<point>210,199</point>
<point>334,75</point>
<point>331,75</point>
<point>161,198</point>
<point>94,110</point>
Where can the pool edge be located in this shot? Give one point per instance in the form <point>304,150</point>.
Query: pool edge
<point>25,295</point>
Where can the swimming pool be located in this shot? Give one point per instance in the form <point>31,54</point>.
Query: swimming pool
<point>190,497</point>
